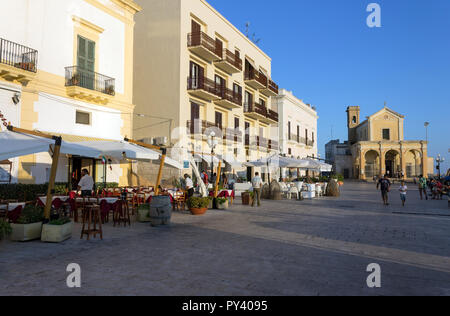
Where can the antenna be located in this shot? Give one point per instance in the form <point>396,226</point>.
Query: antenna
<point>253,38</point>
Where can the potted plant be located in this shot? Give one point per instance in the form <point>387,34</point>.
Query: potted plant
<point>211,203</point>
<point>5,229</point>
<point>143,213</point>
<point>247,198</point>
<point>75,79</point>
<point>198,205</point>
<point>57,230</point>
<point>222,203</point>
<point>29,225</point>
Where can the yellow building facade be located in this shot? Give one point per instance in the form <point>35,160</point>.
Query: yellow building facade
<point>196,73</point>
<point>378,146</point>
<point>72,73</point>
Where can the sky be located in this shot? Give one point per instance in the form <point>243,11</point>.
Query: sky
<point>325,53</point>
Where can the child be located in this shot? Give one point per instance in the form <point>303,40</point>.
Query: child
<point>403,188</point>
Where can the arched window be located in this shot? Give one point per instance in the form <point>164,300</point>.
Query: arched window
<point>354,120</point>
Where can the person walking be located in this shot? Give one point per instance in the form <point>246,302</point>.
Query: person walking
<point>384,184</point>
<point>423,187</point>
<point>86,183</point>
<point>403,189</point>
<point>189,186</point>
<point>257,186</point>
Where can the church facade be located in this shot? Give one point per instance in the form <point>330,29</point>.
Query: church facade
<point>377,147</point>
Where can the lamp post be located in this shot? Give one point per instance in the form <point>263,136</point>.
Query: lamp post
<point>439,160</point>
<point>212,142</point>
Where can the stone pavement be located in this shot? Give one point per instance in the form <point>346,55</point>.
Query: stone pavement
<point>317,247</point>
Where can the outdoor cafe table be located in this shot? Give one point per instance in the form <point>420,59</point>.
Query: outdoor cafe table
<point>43,199</point>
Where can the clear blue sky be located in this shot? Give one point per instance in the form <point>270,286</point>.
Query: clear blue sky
<point>324,52</point>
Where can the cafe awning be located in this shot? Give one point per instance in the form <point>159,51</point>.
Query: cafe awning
<point>13,144</point>
<point>124,150</point>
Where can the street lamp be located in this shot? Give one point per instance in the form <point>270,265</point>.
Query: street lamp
<point>212,142</point>
<point>426,124</point>
<point>439,160</point>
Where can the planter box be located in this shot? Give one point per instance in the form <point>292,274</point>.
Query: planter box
<point>198,211</point>
<point>56,233</point>
<point>26,232</point>
<point>247,199</point>
<point>223,206</point>
<point>143,215</point>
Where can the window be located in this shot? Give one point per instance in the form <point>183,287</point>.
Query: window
<point>86,54</point>
<point>219,120</point>
<point>237,90</point>
<point>289,130</point>
<point>83,118</point>
<point>354,120</point>
<point>289,151</point>
<point>386,134</point>
<point>298,133</point>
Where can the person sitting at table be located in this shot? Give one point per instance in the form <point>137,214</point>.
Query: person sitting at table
<point>189,186</point>
<point>86,183</point>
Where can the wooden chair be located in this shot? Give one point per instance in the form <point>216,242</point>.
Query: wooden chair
<point>92,218</point>
<point>122,214</point>
<point>179,200</point>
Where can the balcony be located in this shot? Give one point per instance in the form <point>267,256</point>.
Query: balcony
<point>204,46</point>
<point>309,143</point>
<point>17,62</point>
<point>230,63</point>
<point>199,127</point>
<point>271,90</point>
<point>89,86</point>
<point>256,80</point>
<point>272,116</point>
<point>255,111</point>
<point>204,88</point>
<point>229,99</point>
<point>260,142</point>
<point>232,135</point>
<point>273,145</point>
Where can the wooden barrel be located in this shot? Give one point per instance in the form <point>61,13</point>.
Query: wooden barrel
<point>160,210</point>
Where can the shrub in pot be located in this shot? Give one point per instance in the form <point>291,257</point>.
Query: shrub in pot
<point>222,203</point>
<point>29,225</point>
<point>198,205</point>
<point>5,229</point>
<point>57,230</point>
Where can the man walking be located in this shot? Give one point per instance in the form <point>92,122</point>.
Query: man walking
<point>257,186</point>
<point>423,187</point>
<point>86,183</point>
<point>189,186</point>
<point>384,184</point>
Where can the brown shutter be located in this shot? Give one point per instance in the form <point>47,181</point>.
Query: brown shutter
<point>219,47</point>
<point>196,28</point>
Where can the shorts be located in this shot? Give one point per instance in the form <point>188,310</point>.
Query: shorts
<point>384,193</point>
<point>403,197</point>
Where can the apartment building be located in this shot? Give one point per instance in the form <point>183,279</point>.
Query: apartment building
<point>297,126</point>
<point>66,68</point>
<point>196,73</point>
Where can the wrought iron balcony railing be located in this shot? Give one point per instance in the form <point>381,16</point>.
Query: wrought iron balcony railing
<point>18,56</point>
<point>79,77</point>
<point>206,84</point>
<point>273,86</point>
<point>232,59</point>
<point>257,76</point>
<point>204,40</point>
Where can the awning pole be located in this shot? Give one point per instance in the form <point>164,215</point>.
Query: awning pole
<point>216,188</point>
<point>161,165</point>
<point>51,183</point>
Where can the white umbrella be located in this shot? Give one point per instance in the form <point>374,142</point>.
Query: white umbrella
<point>231,160</point>
<point>13,144</point>
<point>125,150</point>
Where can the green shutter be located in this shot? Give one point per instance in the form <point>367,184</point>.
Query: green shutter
<point>86,54</point>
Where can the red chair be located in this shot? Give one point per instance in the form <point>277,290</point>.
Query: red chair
<point>14,215</point>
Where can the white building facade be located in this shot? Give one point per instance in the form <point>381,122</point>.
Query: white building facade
<point>70,66</point>
<point>297,127</point>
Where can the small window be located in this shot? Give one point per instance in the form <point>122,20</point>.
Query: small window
<point>386,134</point>
<point>289,151</point>
<point>354,120</point>
<point>83,118</point>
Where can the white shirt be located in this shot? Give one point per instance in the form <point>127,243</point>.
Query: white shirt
<point>86,183</point>
<point>256,182</point>
<point>189,183</point>
<point>403,189</point>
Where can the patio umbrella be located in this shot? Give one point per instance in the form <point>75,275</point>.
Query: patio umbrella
<point>13,144</point>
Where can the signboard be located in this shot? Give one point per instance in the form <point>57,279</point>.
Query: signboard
<point>186,164</point>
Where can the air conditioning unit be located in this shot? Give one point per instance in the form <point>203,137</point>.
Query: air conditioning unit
<point>160,141</point>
